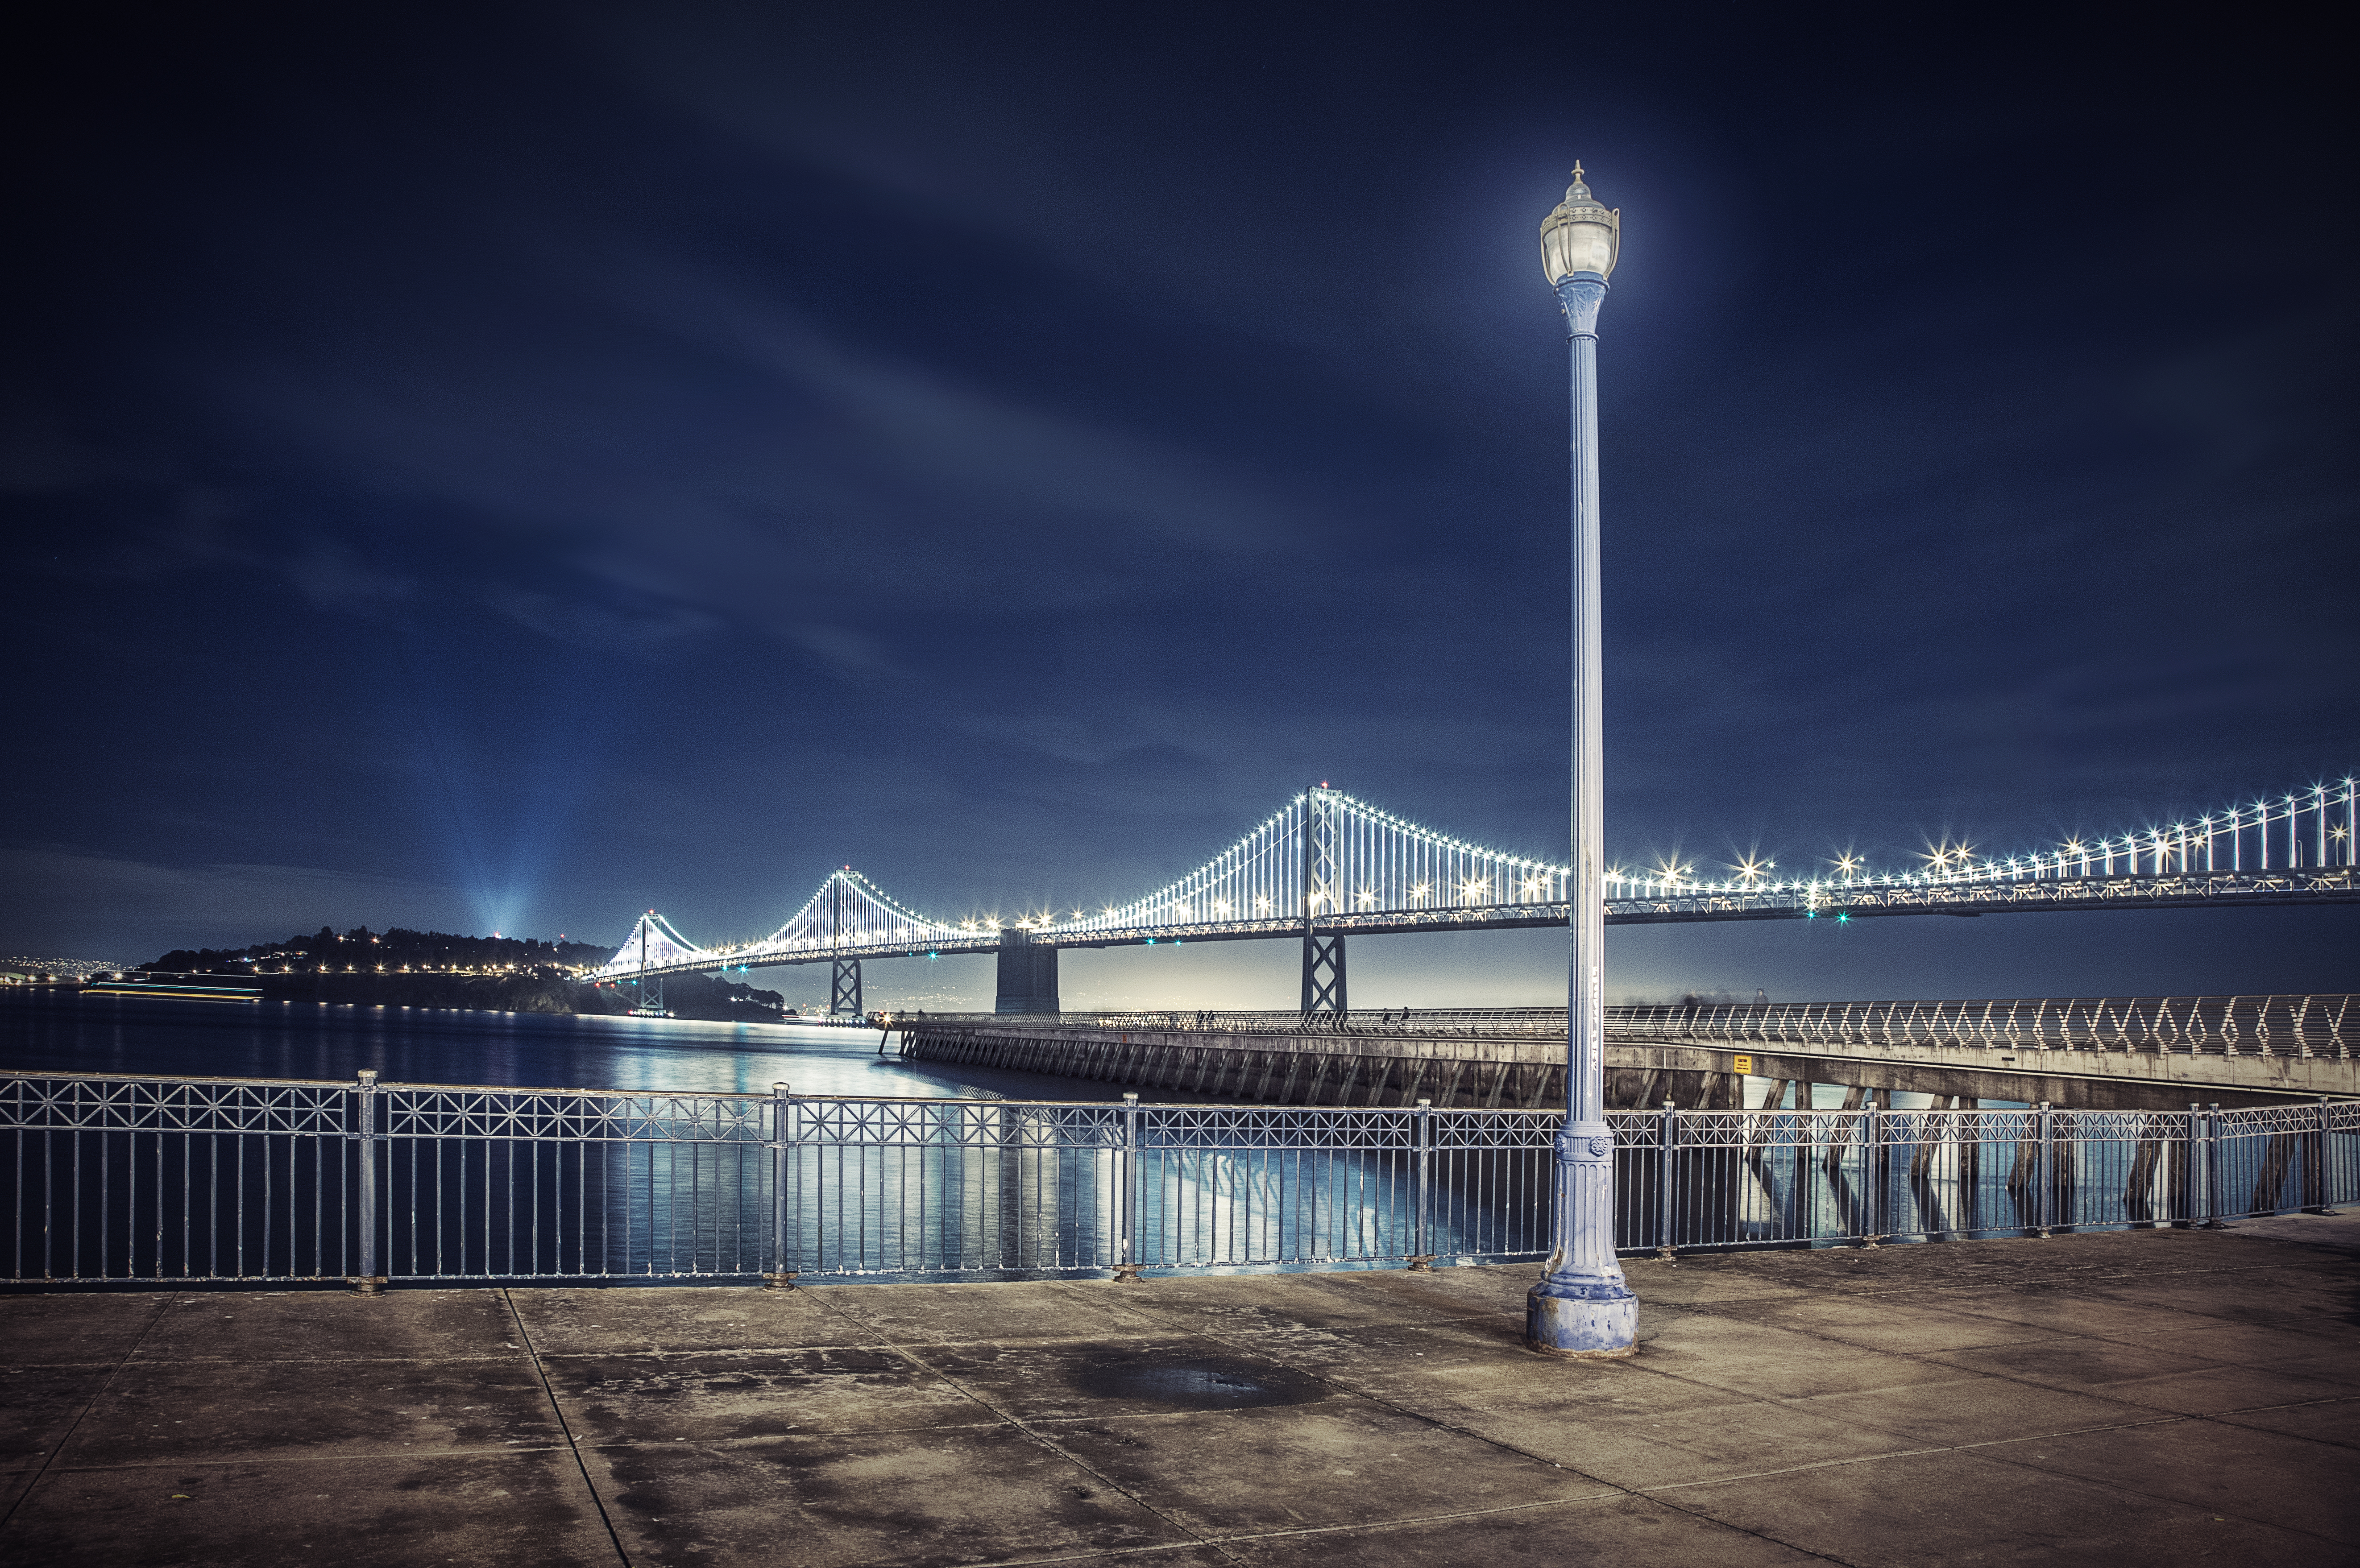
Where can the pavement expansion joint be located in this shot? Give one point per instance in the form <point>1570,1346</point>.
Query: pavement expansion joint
<point>2057,1439</point>
<point>572,1443</point>
<point>727,1353</point>
<point>1887,1455</point>
<point>175,1358</point>
<point>1018,1424</point>
<point>1358,1526</point>
<point>163,1304</point>
<point>338,1456</point>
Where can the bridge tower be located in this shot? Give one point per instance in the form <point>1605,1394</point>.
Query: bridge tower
<point>844,983</point>
<point>645,1000</point>
<point>1028,973</point>
<point>1323,890</point>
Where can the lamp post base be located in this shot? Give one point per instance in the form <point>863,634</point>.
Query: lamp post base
<point>1581,1323</point>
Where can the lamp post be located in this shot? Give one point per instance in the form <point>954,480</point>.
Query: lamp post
<point>1582,1306</point>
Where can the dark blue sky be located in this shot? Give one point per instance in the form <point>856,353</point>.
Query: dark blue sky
<point>509,467</point>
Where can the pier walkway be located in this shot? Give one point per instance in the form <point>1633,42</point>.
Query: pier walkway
<point>2158,1397</point>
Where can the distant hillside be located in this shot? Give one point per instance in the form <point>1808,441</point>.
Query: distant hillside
<point>434,969</point>
<point>361,951</point>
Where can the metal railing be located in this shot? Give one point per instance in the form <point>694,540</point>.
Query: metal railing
<point>2319,1025</point>
<point>2326,1024</point>
<point>1535,1022</point>
<point>216,1179</point>
<point>965,1186</point>
<point>222,1180</point>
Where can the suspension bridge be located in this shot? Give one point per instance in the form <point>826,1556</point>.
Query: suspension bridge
<point>1326,866</point>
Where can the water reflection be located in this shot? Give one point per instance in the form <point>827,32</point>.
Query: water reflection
<point>42,1031</point>
<point>1027,1174</point>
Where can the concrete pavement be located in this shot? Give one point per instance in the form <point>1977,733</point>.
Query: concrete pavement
<point>2152,1396</point>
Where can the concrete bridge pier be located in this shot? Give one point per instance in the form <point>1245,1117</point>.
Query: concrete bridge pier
<point>1028,973</point>
<point>1686,1089</point>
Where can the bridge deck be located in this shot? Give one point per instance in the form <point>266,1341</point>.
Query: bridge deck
<point>2313,885</point>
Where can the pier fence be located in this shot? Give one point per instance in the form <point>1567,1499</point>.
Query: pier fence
<point>2321,1025</point>
<point>119,1179</point>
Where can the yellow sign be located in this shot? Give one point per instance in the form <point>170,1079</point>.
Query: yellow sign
<point>1744,1064</point>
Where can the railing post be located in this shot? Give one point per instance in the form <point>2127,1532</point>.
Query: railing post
<point>1667,1138</point>
<point>1126,1165</point>
<point>778,1277</point>
<point>2314,1168</point>
<point>1874,1174</point>
<point>368,1281</point>
<point>2043,1202</point>
<point>2212,1189</point>
<point>2192,1184</point>
<point>1421,1254</point>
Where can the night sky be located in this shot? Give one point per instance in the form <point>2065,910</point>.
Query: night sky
<point>506,468</point>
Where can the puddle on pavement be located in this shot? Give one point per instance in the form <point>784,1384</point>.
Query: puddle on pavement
<point>1199,1385</point>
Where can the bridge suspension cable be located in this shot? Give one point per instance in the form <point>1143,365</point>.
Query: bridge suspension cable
<point>849,911</point>
<point>1326,854</point>
<point>653,944</point>
<point>1329,860</point>
<point>1377,863</point>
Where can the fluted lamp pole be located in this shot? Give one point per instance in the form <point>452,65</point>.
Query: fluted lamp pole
<point>1582,1306</point>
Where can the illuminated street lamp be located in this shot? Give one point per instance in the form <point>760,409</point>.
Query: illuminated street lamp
<point>1582,1306</point>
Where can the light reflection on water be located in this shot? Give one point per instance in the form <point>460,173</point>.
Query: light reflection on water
<point>461,1206</point>
<point>62,1033</point>
<point>919,1210</point>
